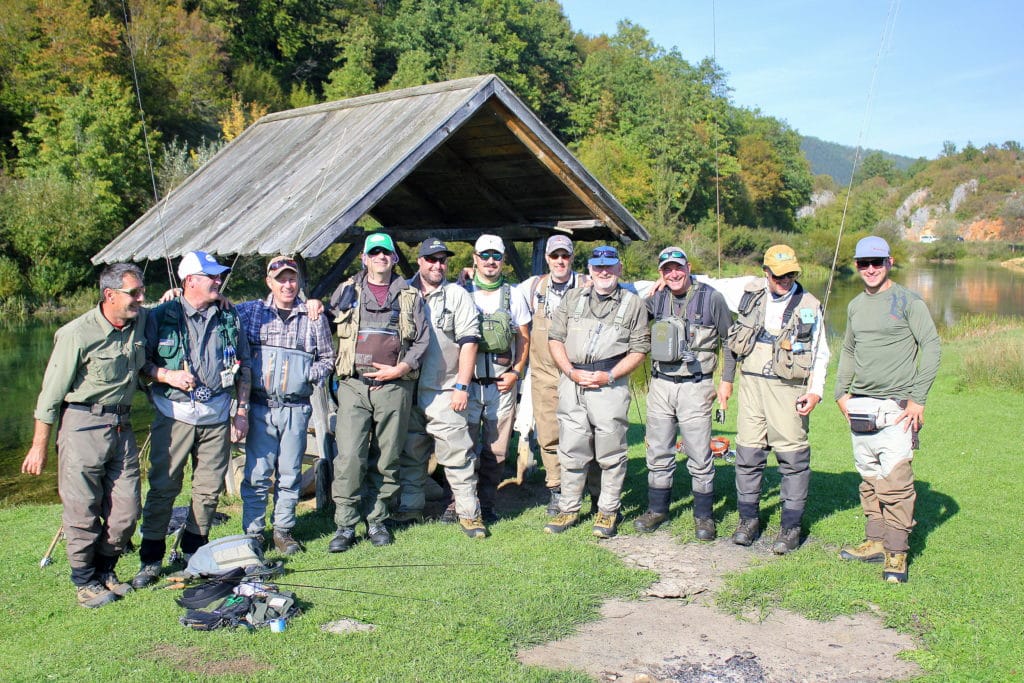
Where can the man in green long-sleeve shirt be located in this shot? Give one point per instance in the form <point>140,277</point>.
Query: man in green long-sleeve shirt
<point>889,360</point>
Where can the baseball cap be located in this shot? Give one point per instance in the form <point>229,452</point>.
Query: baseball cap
<point>556,242</point>
<point>489,243</point>
<point>872,247</point>
<point>672,255</point>
<point>604,256</point>
<point>196,262</point>
<point>432,245</point>
<point>281,263</point>
<point>378,239</point>
<point>781,259</point>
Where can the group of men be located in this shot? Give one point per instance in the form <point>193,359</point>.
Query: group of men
<point>429,367</point>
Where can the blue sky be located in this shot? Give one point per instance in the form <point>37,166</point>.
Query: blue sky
<point>945,71</point>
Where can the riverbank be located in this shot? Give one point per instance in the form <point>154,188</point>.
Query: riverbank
<point>1014,264</point>
<point>466,620</point>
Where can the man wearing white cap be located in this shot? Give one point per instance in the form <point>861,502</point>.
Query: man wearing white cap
<point>196,355</point>
<point>500,361</point>
<point>779,342</point>
<point>291,354</point>
<point>890,358</point>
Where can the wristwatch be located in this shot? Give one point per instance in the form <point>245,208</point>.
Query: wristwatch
<point>243,406</point>
<point>461,387</point>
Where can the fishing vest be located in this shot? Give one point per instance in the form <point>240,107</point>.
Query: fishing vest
<point>786,353</point>
<point>360,346</point>
<point>589,340</point>
<point>282,373</point>
<point>171,335</point>
<point>688,344</point>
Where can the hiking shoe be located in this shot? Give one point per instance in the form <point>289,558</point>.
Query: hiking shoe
<point>114,584</point>
<point>488,515</point>
<point>747,532</point>
<point>148,574</point>
<point>405,518</point>
<point>285,542</point>
<point>705,529</point>
<point>648,522</point>
<point>344,538</point>
<point>868,551</point>
<point>449,516</point>
<point>556,493</point>
<point>94,594</point>
<point>895,570</point>
<point>606,524</point>
<point>561,522</point>
<point>787,540</point>
<point>379,535</point>
<point>474,528</point>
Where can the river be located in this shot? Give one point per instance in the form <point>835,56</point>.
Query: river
<point>951,291</point>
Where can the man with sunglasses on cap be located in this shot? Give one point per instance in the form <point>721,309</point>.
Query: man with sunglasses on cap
<point>439,422</point>
<point>382,336</point>
<point>502,353</point>
<point>197,355</point>
<point>291,354</point>
<point>87,391</point>
<point>890,358</point>
<point>691,322</point>
<point>779,342</point>
<point>598,336</point>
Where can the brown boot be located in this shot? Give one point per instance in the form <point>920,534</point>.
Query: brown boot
<point>747,532</point>
<point>649,521</point>
<point>705,529</point>
<point>870,550</point>
<point>285,543</point>
<point>895,570</point>
<point>94,594</point>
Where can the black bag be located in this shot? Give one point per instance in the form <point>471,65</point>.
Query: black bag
<point>863,423</point>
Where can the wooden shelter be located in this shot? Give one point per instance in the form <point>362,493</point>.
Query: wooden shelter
<point>451,160</point>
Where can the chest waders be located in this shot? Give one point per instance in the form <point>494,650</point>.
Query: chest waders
<point>280,373</point>
<point>685,343</point>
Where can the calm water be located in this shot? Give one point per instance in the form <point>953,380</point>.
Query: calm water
<point>950,290</point>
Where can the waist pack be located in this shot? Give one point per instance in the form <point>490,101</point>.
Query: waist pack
<point>863,423</point>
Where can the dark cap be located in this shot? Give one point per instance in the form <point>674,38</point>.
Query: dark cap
<point>432,245</point>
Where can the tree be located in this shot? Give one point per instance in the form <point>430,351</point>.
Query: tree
<point>876,165</point>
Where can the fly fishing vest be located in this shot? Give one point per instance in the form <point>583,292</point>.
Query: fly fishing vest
<point>361,345</point>
<point>687,344</point>
<point>496,334</point>
<point>172,344</point>
<point>281,373</point>
<point>591,344</point>
<point>786,353</point>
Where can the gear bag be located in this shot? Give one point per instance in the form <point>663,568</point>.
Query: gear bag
<point>496,328</point>
<point>223,554</point>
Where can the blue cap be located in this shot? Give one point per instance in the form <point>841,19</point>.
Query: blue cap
<point>872,247</point>
<point>196,262</point>
<point>604,256</point>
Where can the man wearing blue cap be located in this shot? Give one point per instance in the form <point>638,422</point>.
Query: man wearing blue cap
<point>598,336</point>
<point>890,358</point>
<point>196,356</point>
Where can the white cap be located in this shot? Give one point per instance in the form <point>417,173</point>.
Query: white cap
<point>489,243</point>
<point>196,262</point>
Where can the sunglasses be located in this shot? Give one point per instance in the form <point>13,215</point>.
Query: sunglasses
<point>676,253</point>
<point>377,251</point>
<point>443,260</point>
<point>863,263</point>
<point>605,253</point>
<point>212,277</point>
<point>284,263</point>
<point>787,276</point>
<point>491,256</point>
<point>134,292</point>
<point>560,256</point>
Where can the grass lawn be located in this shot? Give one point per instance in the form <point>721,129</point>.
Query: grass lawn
<point>465,619</point>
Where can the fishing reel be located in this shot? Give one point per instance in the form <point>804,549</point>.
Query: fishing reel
<point>721,448</point>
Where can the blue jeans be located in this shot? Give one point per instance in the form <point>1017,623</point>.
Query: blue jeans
<point>275,445</point>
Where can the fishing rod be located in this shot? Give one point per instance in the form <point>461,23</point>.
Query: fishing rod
<point>353,590</point>
<point>391,566</point>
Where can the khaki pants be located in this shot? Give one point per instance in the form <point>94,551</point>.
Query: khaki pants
<point>99,483</point>
<point>683,408</point>
<point>490,416</point>
<point>173,444</point>
<point>592,427</point>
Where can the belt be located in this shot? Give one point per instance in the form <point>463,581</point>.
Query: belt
<point>97,409</point>
<point>680,379</point>
<point>274,403</point>
<point>599,365</point>
<point>485,381</point>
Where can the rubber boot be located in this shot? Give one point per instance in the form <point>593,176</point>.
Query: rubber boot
<point>657,511</point>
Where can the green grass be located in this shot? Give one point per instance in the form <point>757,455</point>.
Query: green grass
<point>965,600</point>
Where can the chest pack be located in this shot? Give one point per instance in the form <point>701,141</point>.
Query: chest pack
<point>172,344</point>
<point>496,332</point>
<point>359,346</point>
<point>672,336</point>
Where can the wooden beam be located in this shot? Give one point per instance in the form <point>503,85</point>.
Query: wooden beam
<point>517,263</point>
<point>473,177</point>
<point>333,276</point>
<point>538,257</point>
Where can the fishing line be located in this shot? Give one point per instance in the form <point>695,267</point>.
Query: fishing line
<point>352,590</point>
<point>718,197</point>
<point>389,566</point>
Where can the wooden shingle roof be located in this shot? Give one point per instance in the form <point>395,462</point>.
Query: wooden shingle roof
<point>449,159</point>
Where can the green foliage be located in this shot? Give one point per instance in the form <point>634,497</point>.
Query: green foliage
<point>877,165</point>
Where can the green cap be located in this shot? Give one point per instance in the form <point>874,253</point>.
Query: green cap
<point>378,239</point>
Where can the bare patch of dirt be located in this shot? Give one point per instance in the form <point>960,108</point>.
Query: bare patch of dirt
<point>192,660</point>
<point>689,639</point>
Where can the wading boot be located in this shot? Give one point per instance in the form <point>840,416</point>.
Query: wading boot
<point>474,528</point>
<point>657,511</point>
<point>556,493</point>
<point>148,574</point>
<point>114,584</point>
<point>344,538</point>
<point>406,518</point>
<point>379,535</point>
<point>561,522</point>
<point>703,520</point>
<point>895,570</point>
<point>747,532</point>
<point>94,594</point>
<point>705,529</point>
<point>606,524</point>
<point>786,541</point>
<point>868,551</point>
<point>285,542</point>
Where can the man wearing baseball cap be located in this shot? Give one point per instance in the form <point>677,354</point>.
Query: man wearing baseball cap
<point>890,358</point>
<point>382,336</point>
<point>779,342</point>
<point>691,322</point>
<point>196,355</point>
<point>292,353</point>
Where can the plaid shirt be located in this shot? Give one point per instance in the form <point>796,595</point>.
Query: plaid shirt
<point>263,325</point>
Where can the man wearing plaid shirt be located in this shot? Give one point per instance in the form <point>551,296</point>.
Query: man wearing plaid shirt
<point>291,353</point>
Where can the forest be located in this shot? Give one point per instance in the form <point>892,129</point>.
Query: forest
<point>106,105</point>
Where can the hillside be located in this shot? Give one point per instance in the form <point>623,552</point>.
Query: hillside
<point>836,160</point>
